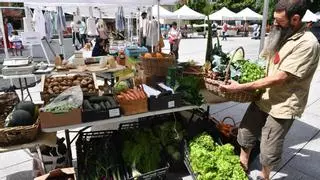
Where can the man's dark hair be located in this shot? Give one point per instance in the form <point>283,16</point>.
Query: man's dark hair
<point>144,14</point>
<point>174,24</point>
<point>292,7</point>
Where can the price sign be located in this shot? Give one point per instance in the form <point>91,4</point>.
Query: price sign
<point>114,112</point>
<point>171,104</point>
<point>30,38</point>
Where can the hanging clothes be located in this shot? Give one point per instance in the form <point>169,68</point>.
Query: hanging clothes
<point>152,33</point>
<point>39,22</point>
<point>91,27</point>
<point>27,21</point>
<point>60,22</point>
<point>120,20</point>
<point>49,27</point>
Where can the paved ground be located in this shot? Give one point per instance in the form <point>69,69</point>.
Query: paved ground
<point>301,157</point>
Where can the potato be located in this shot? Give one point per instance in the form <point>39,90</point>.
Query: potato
<point>69,83</point>
<point>56,88</point>
<point>59,79</point>
<point>55,84</point>
<point>64,83</point>
<point>85,89</point>
<point>50,91</point>
<point>84,82</point>
<point>64,88</point>
<point>90,86</point>
<point>69,78</point>
<point>76,82</point>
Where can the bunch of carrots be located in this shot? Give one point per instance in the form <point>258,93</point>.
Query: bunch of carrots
<point>137,93</point>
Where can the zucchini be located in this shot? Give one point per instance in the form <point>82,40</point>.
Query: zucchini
<point>98,99</point>
<point>87,105</point>
<point>112,101</point>
<point>96,107</point>
<point>103,107</point>
<point>108,105</point>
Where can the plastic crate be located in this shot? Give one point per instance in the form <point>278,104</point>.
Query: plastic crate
<point>158,174</point>
<point>186,161</point>
<point>86,142</point>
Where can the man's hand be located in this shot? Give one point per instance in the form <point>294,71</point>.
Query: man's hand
<point>233,87</point>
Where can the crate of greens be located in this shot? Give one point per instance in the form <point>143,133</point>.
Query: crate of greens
<point>98,156</point>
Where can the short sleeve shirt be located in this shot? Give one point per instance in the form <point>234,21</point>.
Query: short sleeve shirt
<point>298,57</point>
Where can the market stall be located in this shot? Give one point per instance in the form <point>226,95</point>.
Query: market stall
<point>249,15</point>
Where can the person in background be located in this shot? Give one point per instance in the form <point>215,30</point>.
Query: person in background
<point>102,29</point>
<point>8,28</point>
<point>246,29</point>
<point>174,39</point>
<point>101,47</point>
<point>224,31</point>
<point>292,54</point>
<point>83,32</point>
<point>16,43</point>
<point>75,32</point>
<point>143,29</point>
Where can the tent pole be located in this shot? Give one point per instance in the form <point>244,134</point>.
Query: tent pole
<point>264,24</point>
<point>158,14</point>
<point>4,35</point>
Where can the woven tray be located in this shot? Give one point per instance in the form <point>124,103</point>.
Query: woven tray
<point>157,66</point>
<point>242,96</point>
<point>19,134</point>
<point>134,106</point>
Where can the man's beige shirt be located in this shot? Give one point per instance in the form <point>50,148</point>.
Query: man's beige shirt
<point>299,57</point>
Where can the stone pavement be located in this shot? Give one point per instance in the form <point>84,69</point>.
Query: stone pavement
<point>301,157</point>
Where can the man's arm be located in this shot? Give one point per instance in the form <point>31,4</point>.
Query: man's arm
<point>263,83</point>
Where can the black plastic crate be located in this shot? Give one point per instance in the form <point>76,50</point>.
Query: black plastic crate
<point>186,161</point>
<point>92,115</point>
<point>158,174</point>
<point>165,102</point>
<point>86,145</point>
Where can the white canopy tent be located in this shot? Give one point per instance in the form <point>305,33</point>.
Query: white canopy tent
<point>164,14</point>
<point>310,17</point>
<point>318,14</point>
<point>223,14</point>
<point>249,15</point>
<point>187,13</point>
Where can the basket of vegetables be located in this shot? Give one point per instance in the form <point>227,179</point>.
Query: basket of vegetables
<point>133,101</point>
<point>157,64</point>
<point>21,125</point>
<point>234,68</point>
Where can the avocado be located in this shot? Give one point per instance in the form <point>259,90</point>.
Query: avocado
<point>27,106</point>
<point>21,118</point>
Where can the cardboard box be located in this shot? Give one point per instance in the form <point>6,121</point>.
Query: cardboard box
<point>49,120</point>
<point>59,174</point>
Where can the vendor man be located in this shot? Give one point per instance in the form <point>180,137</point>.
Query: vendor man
<point>292,55</point>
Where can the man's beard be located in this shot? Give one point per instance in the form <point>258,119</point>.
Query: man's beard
<point>276,39</point>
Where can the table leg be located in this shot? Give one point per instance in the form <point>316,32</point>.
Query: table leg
<point>21,89</point>
<point>27,88</point>
<point>43,168</point>
<point>69,153</point>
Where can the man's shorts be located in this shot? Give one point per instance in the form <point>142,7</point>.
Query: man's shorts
<point>272,131</point>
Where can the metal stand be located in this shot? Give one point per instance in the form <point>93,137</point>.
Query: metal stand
<point>21,89</point>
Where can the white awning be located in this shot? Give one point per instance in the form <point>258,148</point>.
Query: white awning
<point>249,15</point>
<point>164,14</point>
<point>187,13</point>
<point>310,17</point>
<point>223,14</point>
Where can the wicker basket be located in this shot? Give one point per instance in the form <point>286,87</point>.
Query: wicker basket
<point>7,102</point>
<point>134,106</point>
<point>19,134</point>
<point>157,66</point>
<point>242,96</point>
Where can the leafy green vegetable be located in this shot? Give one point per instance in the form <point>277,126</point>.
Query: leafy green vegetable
<point>211,161</point>
<point>141,150</point>
<point>189,87</point>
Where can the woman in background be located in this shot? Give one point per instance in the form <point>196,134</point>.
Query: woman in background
<point>101,48</point>
<point>174,39</point>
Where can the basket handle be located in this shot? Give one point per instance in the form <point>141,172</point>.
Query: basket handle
<point>227,77</point>
<point>228,117</point>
